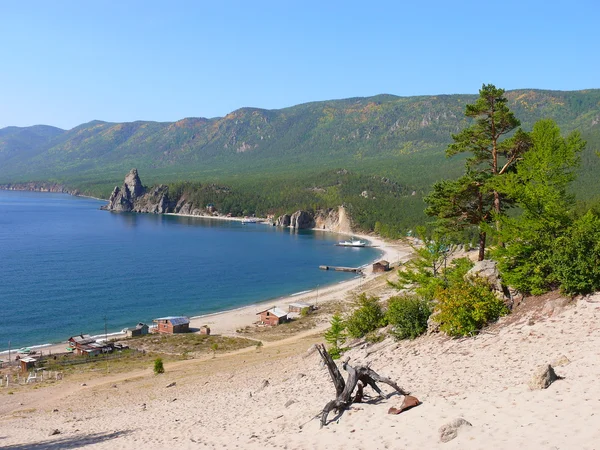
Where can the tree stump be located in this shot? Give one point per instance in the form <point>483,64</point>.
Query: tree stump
<point>360,375</point>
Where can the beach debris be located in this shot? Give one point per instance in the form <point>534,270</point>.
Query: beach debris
<point>54,432</point>
<point>114,386</point>
<point>344,389</point>
<point>171,384</point>
<point>290,403</point>
<point>408,403</point>
<point>300,375</point>
<point>543,377</point>
<point>83,384</point>
<point>311,350</point>
<point>450,430</point>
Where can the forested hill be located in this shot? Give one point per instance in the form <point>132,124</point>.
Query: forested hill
<point>399,137</point>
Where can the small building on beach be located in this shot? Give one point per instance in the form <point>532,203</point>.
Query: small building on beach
<point>27,363</point>
<point>139,330</point>
<point>84,344</point>
<point>205,329</point>
<point>381,266</point>
<point>273,316</point>
<point>172,325</point>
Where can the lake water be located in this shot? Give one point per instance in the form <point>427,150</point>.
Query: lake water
<point>65,266</point>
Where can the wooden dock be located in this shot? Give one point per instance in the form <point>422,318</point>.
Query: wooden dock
<point>341,269</point>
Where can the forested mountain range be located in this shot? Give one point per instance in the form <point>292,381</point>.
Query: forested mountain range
<point>400,138</point>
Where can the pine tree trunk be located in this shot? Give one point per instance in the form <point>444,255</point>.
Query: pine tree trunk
<point>481,246</point>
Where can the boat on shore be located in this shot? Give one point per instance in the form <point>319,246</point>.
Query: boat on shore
<point>248,220</point>
<point>352,243</point>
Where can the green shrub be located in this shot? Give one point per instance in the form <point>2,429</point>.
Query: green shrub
<point>464,308</point>
<point>367,317</point>
<point>158,366</point>
<point>408,316</point>
<point>576,261</point>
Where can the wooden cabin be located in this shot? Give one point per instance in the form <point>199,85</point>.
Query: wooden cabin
<point>86,345</point>
<point>205,329</point>
<point>381,266</point>
<point>172,325</point>
<point>273,316</point>
<point>139,330</point>
<point>27,363</point>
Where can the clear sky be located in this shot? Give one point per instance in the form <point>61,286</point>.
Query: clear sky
<point>64,63</point>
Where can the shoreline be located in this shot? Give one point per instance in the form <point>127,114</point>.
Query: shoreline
<point>228,321</point>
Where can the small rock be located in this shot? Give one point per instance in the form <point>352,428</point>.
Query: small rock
<point>83,384</point>
<point>290,403</point>
<point>263,385</point>
<point>300,375</point>
<point>561,361</point>
<point>543,377</point>
<point>114,386</point>
<point>450,430</point>
<point>171,384</point>
<point>55,410</point>
<point>54,433</point>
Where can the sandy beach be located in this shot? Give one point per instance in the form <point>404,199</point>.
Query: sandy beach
<point>270,398</point>
<point>227,322</point>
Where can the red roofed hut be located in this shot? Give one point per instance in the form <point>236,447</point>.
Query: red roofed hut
<point>273,316</point>
<point>172,325</point>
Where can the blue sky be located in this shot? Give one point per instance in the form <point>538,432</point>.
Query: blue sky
<point>64,63</point>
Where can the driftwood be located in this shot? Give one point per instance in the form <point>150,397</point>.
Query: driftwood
<point>358,377</point>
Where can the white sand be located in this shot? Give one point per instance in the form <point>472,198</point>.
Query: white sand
<point>224,403</point>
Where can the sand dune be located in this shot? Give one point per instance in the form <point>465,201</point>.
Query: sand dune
<point>269,399</point>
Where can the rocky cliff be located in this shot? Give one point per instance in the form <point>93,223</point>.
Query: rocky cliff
<point>336,220</point>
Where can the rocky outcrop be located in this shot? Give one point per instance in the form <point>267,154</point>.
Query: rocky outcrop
<point>336,220</point>
<point>302,220</point>
<point>283,220</point>
<point>125,198</point>
<point>488,270</point>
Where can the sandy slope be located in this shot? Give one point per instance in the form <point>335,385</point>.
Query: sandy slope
<point>225,402</point>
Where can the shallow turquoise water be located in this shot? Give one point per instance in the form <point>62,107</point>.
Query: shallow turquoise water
<point>65,265</point>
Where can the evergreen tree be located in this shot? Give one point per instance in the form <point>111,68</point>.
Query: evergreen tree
<point>472,199</point>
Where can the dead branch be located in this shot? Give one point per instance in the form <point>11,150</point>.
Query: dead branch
<point>344,389</point>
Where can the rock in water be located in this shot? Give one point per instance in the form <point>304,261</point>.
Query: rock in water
<point>302,220</point>
<point>123,199</point>
<point>450,430</point>
<point>283,220</point>
<point>543,377</point>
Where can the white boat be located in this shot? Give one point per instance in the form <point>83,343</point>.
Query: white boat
<point>352,243</point>
<point>249,220</point>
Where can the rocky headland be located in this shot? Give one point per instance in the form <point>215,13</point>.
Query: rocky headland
<point>133,196</point>
<point>36,186</point>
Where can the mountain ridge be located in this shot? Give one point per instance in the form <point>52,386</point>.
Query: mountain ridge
<point>400,136</point>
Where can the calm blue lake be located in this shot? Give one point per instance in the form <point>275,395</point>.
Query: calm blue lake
<point>65,265</point>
